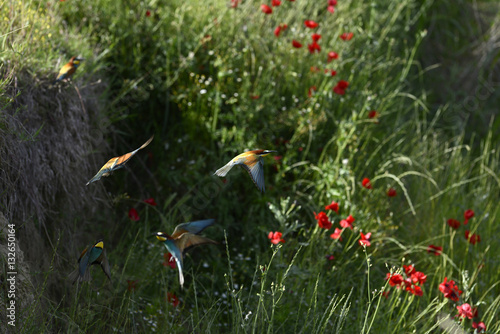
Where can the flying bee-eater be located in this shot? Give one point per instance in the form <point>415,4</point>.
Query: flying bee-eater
<point>185,237</point>
<point>92,254</point>
<point>116,163</point>
<point>252,162</point>
<point>68,69</point>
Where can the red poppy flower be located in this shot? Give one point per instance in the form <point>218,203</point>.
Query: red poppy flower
<point>418,277</point>
<point>172,299</point>
<point>417,291</point>
<point>345,223</point>
<point>473,238</point>
<point>169,260</point>
<point>133,214</point>
<point>333,73</point>
<point>275,3</point>
<point>333,206</point>
<point>313,47</point>
<point>454,223</point>
<point>279,29</point>
<point>394,279</point>
<point>316,37</point>
<point>275,237</point>
<point>346,36</point>
<point>341,87</point>
<point>391,192</point>
<point>323,220</point>
<point>386,294</point>
<point>330,257</point>
<point>310,24</point>
<point>266,9</point>
<point>254,97</point>
<point>366,183</point>
<point>310,91</point>
<point>332,2</point>
<point>408,284</point>
<point>337,234</point>
<point>131,285</point>
<point>373,114</point>
<point>296,44</point>
<point>150,201</point>
<point>148,13</point>
<point>331,9</point>
<point>450,290</point>
<point>465,311</point>
<point>436,250</point>
<point>468,214</point>
<point>332,55</point>
<point>480,326</point>
<point>409,269</point>
<point>365,239</point>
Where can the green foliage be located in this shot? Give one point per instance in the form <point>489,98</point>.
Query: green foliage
<point>210,82</point>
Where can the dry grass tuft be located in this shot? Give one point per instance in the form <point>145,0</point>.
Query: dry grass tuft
<point>47,137</point>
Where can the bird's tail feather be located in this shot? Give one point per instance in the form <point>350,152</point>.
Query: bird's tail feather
<point>223,170</point>
<point>73,277</point>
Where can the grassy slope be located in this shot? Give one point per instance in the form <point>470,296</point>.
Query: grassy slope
<point>158,66</point>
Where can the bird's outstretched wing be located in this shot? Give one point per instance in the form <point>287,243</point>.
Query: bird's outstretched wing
<point>255,169</point>
<point>105,265</point>
<point>116,163</point>
<point>192,227</point>
<point>188,241</point>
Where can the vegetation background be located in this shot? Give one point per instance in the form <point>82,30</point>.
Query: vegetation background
<point>210,80</point>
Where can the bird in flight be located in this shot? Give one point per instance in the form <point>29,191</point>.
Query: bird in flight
<point>252,162</point>
<point>116,163</point>
<point>183,238</point>
<point>92,254</point>
<point>67,70</point>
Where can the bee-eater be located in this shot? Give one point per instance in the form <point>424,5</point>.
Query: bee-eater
<point>185,237</point>
<point>68,69</point>
<point>93,254</point>
<point>252,162</point>
<point>116,163</point>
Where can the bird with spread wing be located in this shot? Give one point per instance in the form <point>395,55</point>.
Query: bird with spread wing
<point>252,162</point>
<point>116,163</point>
<point>183,238</point>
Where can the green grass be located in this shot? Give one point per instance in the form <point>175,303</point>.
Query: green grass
<point>187,73</point>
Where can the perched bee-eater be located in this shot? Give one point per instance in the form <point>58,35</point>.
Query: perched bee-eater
<point>68,69</point>
<point>116,163</point>
<point>95,254</point>
<point>185,237</point>
<point>253,163</point>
